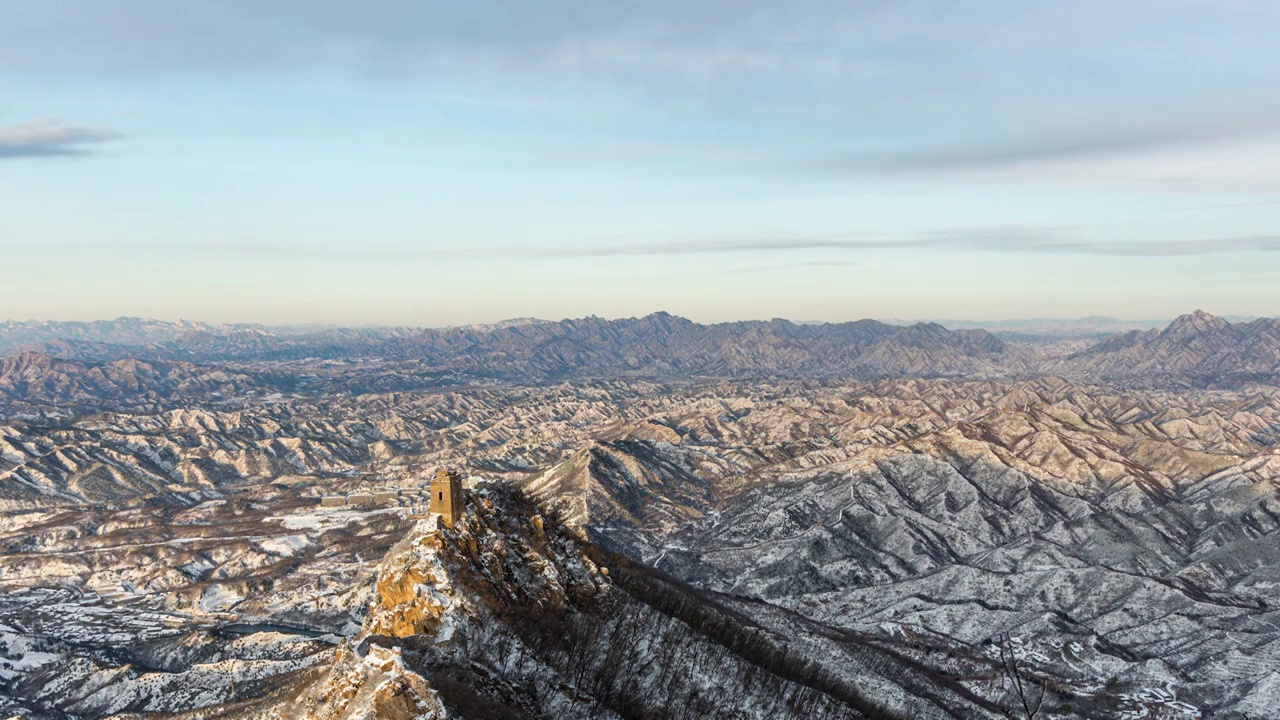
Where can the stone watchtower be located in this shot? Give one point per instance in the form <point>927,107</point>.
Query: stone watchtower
<point>446,496</point>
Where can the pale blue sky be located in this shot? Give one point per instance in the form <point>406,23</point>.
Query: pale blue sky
<point>439,163</point>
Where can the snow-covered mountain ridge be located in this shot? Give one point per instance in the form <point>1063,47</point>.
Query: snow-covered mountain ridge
<point>509,615</point>
<point>850,546</point>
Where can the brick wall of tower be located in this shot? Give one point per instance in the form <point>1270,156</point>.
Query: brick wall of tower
<point>446,496</point>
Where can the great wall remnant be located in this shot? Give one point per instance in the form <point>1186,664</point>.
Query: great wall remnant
<point>444,496</point>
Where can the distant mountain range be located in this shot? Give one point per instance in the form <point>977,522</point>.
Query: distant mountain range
<point>17,335</point>
<point>1199,344</point>
<point>151,360</point>
<point>1028,328</point>
<point>1092,326</point>
<point>658,345</point>
<point>42,378</point>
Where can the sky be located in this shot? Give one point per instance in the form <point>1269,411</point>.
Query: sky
<point>436,163</point>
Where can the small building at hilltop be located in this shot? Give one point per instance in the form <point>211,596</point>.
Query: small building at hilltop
<point>446,496</point>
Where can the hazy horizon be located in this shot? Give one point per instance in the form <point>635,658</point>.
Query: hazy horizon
<point>799,321</point>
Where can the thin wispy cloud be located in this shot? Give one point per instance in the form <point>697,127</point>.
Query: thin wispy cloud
<point>717,34</point>
<point>1014,240</point>
<point>1260,203</point>
<point>1120,248</point>
<point>1054,147</point>
<point>811,264</point>
<point>717,247</point>
<point>1040,240</point>
<point>532,252</point>
<point>50,139</point>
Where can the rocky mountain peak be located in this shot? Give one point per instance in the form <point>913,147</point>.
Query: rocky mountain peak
<point>25,361</point>
<point>1196,323</point>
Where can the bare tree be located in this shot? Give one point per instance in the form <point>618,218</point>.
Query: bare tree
<point>1028,698</point>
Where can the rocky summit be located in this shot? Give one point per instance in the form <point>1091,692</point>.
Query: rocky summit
<point>658,519</point>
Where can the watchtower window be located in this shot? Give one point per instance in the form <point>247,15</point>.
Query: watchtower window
<point>441,497</point>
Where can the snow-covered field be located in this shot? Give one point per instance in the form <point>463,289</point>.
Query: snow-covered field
<point>117,611</point>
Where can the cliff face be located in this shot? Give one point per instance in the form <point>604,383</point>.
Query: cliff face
<point>413,590</point>
<point>511,614</point>
<point>438,581</point>
<point>376,686</point>
<point>445,602</point>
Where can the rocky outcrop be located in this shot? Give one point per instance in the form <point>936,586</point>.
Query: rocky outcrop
<point>377,686</point>
<point>510,614</point>
<point>414,592</point>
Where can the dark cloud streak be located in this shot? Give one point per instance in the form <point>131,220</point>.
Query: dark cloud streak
<point>50,139</point>
<point>1049,147</point>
